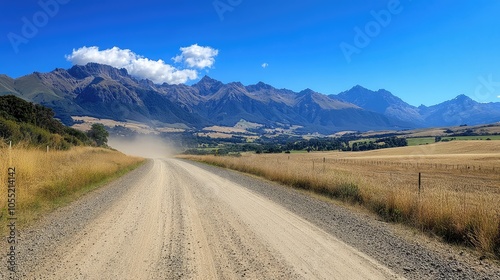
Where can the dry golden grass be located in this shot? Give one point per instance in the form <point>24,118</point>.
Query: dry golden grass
<point>46,180</point>
<point>135,126</point>
<point>459,199</point>
<point>225,129</point>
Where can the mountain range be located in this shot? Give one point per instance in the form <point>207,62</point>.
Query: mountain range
<point>102,91</point>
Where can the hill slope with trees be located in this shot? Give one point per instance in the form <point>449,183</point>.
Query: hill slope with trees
<point>34,125</point>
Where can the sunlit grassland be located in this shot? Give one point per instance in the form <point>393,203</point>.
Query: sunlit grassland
<point>459,195</point>
<point>47,180</point>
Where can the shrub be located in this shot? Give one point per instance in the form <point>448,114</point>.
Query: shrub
<point>348,192</point>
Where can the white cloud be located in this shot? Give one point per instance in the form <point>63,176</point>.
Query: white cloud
<point>197,56</point>
<point>144,68</point>
<point>498,96</point>
<point>265,65</point>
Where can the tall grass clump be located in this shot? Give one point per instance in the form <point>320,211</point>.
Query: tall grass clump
<point>342,186</point>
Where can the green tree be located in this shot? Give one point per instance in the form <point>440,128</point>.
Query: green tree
<point>99,134</point>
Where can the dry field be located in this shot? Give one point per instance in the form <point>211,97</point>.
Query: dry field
<point>46,180</point>
<point>459,198</point>
<point>142,128</point>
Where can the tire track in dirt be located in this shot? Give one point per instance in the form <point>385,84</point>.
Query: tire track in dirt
<point>312,252</point>
<point>122,242</point>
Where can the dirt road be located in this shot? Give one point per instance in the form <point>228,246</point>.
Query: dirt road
<point>171,219</point>
<point>177,220</point>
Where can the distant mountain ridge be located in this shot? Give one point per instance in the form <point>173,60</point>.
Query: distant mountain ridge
<point>458,111</point>
<point>105,92</point>
<point>461,110</point>
<point>382,102</point>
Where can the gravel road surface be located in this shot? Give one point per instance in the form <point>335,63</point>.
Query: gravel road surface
<point>172,219</point>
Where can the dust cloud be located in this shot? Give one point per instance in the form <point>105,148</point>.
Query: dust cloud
<point>143,146</point>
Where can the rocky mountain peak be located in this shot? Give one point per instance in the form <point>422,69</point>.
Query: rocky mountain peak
<point>307,91</point>
<point>95,69</point>
<point>260,86</point>
<point>463,98</point>
<point>208,86</point>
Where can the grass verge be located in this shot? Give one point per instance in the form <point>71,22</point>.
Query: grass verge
<point>48,180</point>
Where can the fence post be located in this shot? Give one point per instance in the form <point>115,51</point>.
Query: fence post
<point>10,153</point>
<point>419,182</point>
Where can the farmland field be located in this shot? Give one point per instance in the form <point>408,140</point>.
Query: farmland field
<point>429,140</point>
<point>459,191</point>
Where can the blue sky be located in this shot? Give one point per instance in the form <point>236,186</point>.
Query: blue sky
<point>425,52</point>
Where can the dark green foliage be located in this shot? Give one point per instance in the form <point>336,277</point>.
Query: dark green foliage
<point>392,142</point>
<point>9,129</point>
<point>21,121</point>
<point>285,143</point>
<point>16,109</point>
<point>467,132</point>
<point>99,134</point>
<point>381,143</point>
<point>76,135</point>
<point>318,144</point>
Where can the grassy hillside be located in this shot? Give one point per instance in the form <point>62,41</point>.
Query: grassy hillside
<point>31,86</point>
<point>6,85</point>
<point>34,125</point>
